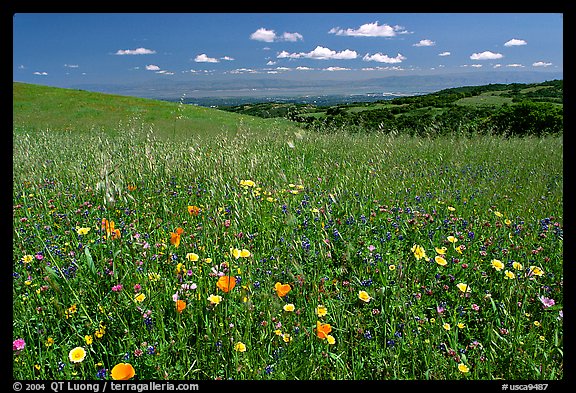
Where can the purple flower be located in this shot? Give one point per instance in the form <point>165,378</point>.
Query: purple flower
<point>546,302</point>
<point>18,344</point>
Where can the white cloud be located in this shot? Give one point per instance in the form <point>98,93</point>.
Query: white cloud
<point>265,35</point>
<point>40,73</point>
<point>497,65</point>
<point>152,67</point>
<point>486,55</point>
<point>164,72</point>
<point>320,53</point>
<point>137,51</point>
<point>71,65</point>
<point>370,30</point>
<point>203,58</point>
<point>243,71</point>
<point>227,58</point>
<point>425,43</point>
<point>270,63</point>
<point>444,54</point>
<point>380,58</point>
<point>515,65</point>
<point>304,68</point>
<point>292,37</point>
<point>515,42</point>
<point>336,69</point>
<point>476,65</point>
<point>541,64</point>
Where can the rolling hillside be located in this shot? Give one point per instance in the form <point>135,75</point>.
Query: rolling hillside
<point>41,107</point>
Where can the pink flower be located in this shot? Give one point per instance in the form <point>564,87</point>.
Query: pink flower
<point>18,344</point>
<point>547,302</point>
<point>475,307</point>
<point>117,288</point>
<point>137,288</point>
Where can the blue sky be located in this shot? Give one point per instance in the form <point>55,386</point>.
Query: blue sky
<point>69,49</point>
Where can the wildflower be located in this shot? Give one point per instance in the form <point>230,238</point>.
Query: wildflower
<point>391,267</point>
<point>440,250</point>
<point>82,231</point>
<point>452,239</point>
<point>153,277</point>
<point>140,297</point>
<point>463,368</point>
<point>322,330</point>
<point>111,232</point>
<point>215,299</point>
<point>446,326</point>
<point>49,341</point>
<point>240,347</point>
<point>363,295</point>
<point>88,339</point>
<point>131,187</point>
<point>331,340</point>
<point>450,208</point>
<point>475,307</point>
<point>27,258</point>
<point>18,344</point>
<point>440,260</point>
<point>175,237</point>
<point>226,283</point>
<point>282,289</point>
<point>247,183</point>
<point>239,253</point>
<point>122,372</point>
<point>180,306</point>
<point>192,257</point>
<point>321,311</point>
<point>508,275</point>
<point>117,288</point>
<point>535,270</point>
<point>418,251</point>
<point>546,302</point>
<point>286,337</point>
<point>461,325</point>
<point>278,332</point>
<point>463,287</point>
<point>288,307</point>
<point>496,264</point>
<point>537,323</point>
<point>77,355</point>
<point>507,222</point>
<point>498,214</point>
<point>517,265</point>
<point>193,210</point>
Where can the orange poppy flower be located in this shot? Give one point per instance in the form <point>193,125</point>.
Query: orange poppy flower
<point>123,371</point>
<point>131,187</point>
<point>322,330</point>
<point>282,289</point>
<point>175,236</point>
<point>108,226</point>
<point>194,210</point>
<point>180,305</point>
<point>226,283</point>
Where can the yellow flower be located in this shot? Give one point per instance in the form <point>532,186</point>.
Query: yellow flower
<point>286,337</point>
<point>440,250</point>
<point>418,251</point>
<point>452,239</point>
<point>331,340</point>
<point>363,295</point>
<point>88,339</point>
<point>215,299</point>
<point>451,208</point>
<point>498,214</point>
<point>535,270</point>
<point>240,347</point>
<point>496,264</point>
<point>192,257</point>
<point>461,325</point>
<point>82,231</point>
<point>446,326</point>
<point>153,276</point>
<point>537,323</point>
<point>463,368</point>
<point>49,341</point>
<point>517,265</point>
<point>463,287</point>
<point>77,355</point>
<point>244,253</point>
<point>321,311</point>
<point>391,267</point>
<point>140,297</point>
<point>27,258</point>
<point>440,260</point>
<point>288,307</point>
<point>278,332</point>
<point>247,183</point>
<point>507,222</point>
<point>508,275</point>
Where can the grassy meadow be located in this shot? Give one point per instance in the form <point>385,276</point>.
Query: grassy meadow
<point>154,240</point>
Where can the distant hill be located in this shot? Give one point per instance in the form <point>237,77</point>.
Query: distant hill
<point>42,107</point>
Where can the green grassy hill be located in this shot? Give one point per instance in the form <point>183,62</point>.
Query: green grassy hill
<point>38,107</point>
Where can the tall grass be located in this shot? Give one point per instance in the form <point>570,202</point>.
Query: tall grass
<point>331,215</point>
